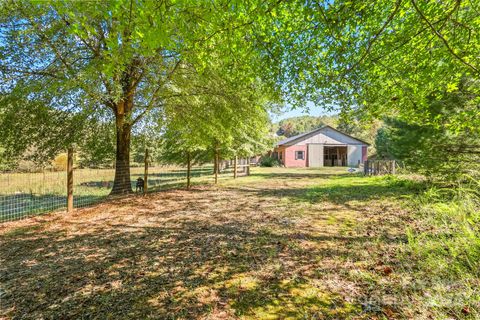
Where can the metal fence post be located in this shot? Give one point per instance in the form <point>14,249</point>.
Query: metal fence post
<point>70,180</point>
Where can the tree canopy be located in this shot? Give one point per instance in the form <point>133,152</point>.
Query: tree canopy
<point>387,57</point>
<point>232,119</point>
<point>121,58</point>
<point>296,125</point>
<point>400,59</point>
<point>143,61</point>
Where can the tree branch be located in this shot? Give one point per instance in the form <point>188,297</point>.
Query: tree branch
<point>42,73</point>
<point>155,94</point>
<point>439,35</point>
<point>376,36</point>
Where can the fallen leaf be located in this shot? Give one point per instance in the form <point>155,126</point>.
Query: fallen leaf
<point>387,271</point>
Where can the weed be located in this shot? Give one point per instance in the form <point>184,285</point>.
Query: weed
<point>446,249</point>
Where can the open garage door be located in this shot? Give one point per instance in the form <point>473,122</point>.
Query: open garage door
<point>315,155</point>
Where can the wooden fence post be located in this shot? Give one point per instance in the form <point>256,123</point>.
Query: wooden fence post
<point>214,162</point>
<point>365,168</point>
<point>235,167</point>
<point>216,166</point>
<point>145,173</point>
<point>394,167</point>
<point>70,180</point>
<point>189,166</point>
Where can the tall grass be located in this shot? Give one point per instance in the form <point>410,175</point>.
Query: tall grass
<point>444,245</point>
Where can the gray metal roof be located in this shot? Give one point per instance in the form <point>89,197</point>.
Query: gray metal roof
<point>302,135</point>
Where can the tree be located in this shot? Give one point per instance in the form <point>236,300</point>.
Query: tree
<point>34,131</point>
<point>296,125</point>
<point>363,128</point>
<point>231,119</point>
<point>97,146</point>
<point>121,56</point>
<point>435,149</point>
<point>385,58</point>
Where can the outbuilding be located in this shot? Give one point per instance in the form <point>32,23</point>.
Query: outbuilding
<point>325,146</point>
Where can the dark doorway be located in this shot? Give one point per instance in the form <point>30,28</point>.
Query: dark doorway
<point>335,156</point>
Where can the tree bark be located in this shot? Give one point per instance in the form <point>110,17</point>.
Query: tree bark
<point>122,183</point>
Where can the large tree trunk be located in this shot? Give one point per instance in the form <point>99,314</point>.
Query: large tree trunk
<point>122,183</point>
<point>123,122</point>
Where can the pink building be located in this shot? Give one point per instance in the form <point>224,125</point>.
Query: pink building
<point>325,146</point>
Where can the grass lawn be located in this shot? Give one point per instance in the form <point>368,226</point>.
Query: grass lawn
<point>279,244</point>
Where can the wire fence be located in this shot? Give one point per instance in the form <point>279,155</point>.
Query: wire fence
<point>23,195</point>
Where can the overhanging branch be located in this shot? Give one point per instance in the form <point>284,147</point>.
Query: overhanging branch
<point>445,42</point>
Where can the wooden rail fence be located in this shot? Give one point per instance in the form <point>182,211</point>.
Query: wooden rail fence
<point>379,167</point>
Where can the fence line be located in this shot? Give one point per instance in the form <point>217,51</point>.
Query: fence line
<point>379,167</point>
<point>24,195</point>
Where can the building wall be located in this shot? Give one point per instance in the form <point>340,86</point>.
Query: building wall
<point>315,156</point>
<point>354,155</point>
<point>280,154</point>
<point>364,153</point>
<point>289,156</point>
<point>356,150</point>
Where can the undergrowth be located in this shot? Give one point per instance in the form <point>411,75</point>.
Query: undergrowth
<point>443,250</point>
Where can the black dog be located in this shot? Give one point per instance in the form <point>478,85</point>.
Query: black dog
<point>140,185</point>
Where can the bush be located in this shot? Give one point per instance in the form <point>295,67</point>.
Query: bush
<point>268,161</point>
<point>60,162</point>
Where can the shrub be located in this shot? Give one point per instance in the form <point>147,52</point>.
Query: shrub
<point>268,161</point>
<point>60,162</point>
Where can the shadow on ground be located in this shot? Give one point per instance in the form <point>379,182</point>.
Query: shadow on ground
<point>18,206</point>
<point>337,194</point>
<point>339,188</point>
<point>296,175</point>
<point>204,253</point>
<point>162,273</point>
